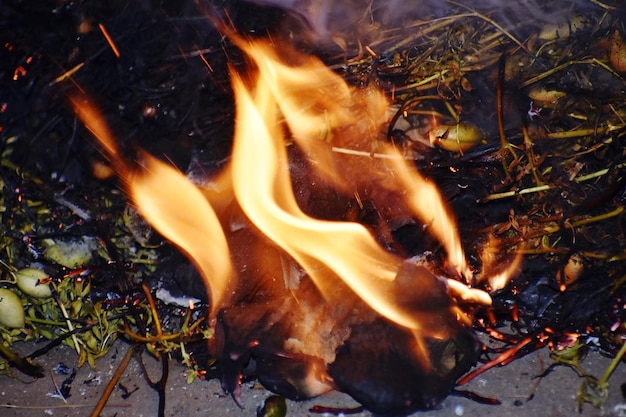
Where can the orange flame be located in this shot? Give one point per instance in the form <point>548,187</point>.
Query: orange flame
<point>263,188</point>
<point>426,201</point>
<point>499,270</point>
<point>172,204</point>
<point>314,102</point>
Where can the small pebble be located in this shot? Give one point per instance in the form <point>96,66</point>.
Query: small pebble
<point>458,410</point>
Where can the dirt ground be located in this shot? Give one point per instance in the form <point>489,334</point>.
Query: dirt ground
<point>516,386</point>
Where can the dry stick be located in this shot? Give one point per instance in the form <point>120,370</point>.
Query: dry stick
<point>70,326</point>
<point>56,341</point>
<point>113,382</point>
<point>533,389</point>
<point>160,385</point>
<point>492,23</point>
<point>353,152</point>
<point>604,6</point>
<point>151,339</point>
<point>431,26</point>
<point>175,337</point>
<point>546,187</point>
<point>565,65</point>
<point>57,388</point>
<point>109,40</point>
<point>530,154</point>
<point>427,83</point>
<point>577,133</point>
<point>403,111</point>
<point>548,230</point>
<point>504,143</point>
<point>54,407</point>
<point>582,222</point>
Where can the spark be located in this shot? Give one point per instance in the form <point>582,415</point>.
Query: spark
<point>109,40</point>
<point>67,74</point>
<point>210,68</point>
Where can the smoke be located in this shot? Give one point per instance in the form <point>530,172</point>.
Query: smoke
<point>323,21</point>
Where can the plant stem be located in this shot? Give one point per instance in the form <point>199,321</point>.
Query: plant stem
<point>616,360</point>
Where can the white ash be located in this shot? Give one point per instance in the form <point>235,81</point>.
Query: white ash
<point>167,297</point>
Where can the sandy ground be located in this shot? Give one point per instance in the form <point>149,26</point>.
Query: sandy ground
<point>513,385</point>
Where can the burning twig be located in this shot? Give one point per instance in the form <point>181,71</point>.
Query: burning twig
<point>502,359</point>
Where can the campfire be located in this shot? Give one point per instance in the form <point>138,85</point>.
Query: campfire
<point>329,248</point>
<point>292,330</point>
